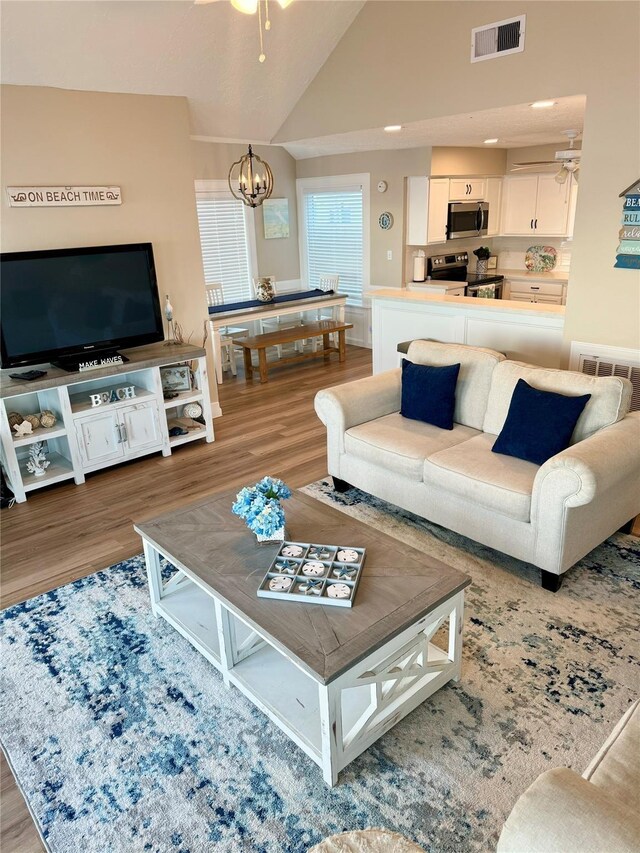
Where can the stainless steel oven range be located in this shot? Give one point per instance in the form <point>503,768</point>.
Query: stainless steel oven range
<point>454,268</point>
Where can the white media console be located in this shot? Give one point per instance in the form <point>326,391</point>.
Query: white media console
<point>88,437</point>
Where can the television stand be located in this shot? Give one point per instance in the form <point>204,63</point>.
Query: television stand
<point>90,360</point>
<point>96,428</point>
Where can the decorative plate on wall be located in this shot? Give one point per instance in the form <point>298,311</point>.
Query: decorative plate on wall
<point>540,258</point>
<point>385,220</point>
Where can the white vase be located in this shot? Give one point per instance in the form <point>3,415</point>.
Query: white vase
<point>277,536</point>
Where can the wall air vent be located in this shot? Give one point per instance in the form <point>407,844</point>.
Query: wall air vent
<point>498,39</point>
<point>598,360</point>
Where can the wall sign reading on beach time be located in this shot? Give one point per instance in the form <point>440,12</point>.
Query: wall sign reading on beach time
<point>628,252</point>
<point>63,196</point>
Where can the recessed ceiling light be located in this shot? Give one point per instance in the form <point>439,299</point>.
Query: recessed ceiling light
<point>490,141</point>
<point>543,105</point>
<point>393,128</point>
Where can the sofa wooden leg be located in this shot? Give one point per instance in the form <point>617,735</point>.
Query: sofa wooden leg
<point>628,527</point>
<point>341,485</point>
<point>550,581</point>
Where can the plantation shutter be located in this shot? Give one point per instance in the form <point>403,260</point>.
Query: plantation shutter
<point>334,238</point>
<point>223,237</point>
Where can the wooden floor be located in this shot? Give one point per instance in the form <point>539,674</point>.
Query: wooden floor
<point>67,531</point>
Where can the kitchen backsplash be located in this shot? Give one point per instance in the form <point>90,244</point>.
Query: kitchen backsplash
<point>510,251</point>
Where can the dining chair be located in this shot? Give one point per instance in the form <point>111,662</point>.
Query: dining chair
<point>274,324</point>
<point>326,282</point>
<point>215,296</point>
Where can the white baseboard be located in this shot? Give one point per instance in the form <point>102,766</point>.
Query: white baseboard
<point>216,411</point>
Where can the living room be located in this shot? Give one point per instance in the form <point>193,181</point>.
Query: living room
<point>545,676</point>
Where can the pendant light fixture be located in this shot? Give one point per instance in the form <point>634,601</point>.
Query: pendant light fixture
<point>251,179</point>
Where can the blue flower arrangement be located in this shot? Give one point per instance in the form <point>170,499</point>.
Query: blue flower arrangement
<point>259,506</point>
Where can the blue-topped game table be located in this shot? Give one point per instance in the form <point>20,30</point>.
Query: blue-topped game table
<point>235,313</point>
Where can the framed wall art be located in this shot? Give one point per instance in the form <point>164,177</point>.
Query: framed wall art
<point>275,215</point>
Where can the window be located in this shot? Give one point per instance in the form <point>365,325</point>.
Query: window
<point>227,238</point>
<point>334,233</point>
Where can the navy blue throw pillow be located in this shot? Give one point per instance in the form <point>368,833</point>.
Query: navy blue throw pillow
<point>429,393</point>
<point>539,424</point>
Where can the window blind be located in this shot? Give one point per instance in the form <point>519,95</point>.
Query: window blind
<point>334,238</point>
<point>223,237</point>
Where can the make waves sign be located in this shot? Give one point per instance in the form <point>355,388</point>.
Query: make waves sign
<point>628,252</point>
<point>63,196</point>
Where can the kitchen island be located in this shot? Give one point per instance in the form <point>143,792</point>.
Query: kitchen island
<point>524,331</point>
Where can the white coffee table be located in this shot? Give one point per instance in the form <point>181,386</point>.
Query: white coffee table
<point>333,679</point>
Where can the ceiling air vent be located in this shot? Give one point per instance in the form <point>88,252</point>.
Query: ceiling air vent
<point>498,39</point>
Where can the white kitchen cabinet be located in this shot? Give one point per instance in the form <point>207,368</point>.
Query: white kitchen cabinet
<point>493,197</point>
<point>427,209</point>
<point>466,189</point>
<point>548,292</point>
<point>535,205</point>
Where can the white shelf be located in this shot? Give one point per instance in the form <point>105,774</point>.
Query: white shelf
<point>283,691</point>
<point>59,469</point>
<point>80,403</point>
<point>192,435</point>
<point>191,612</point>
<point>41,434</point>
<point>183,398</point>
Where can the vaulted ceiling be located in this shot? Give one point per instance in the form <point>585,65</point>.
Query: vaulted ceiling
<point>207,53</point>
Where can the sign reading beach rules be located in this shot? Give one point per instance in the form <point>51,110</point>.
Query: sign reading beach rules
<point>628,252</point>
<point>63,196</point>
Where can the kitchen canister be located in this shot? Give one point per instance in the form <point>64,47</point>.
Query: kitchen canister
<point>418,266</point>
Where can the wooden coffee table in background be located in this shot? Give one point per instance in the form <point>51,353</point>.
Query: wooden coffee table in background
<point>333,679</point>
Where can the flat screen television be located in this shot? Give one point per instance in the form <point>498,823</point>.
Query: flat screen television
<point>66,305</point>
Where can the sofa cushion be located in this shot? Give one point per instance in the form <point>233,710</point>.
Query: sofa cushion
<point>472,471</point>
<point>539,424</point>
<point>401,445</point>
<point>615,767</point>
<point>610,395</point>
<point>429,393</point>
<point>474,380</point>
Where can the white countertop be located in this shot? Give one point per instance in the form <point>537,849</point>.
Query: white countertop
<point>526,275</point>
<point>468,302</point>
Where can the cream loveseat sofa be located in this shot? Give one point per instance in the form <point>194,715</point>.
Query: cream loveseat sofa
<point>549,515</point>
<point>596,812</point>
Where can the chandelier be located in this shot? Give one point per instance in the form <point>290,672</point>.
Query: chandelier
<point>252,178</point>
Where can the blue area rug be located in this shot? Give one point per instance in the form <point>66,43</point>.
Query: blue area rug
<point>124,739</point>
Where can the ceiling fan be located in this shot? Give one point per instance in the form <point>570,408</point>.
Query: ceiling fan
<point>569,160</point>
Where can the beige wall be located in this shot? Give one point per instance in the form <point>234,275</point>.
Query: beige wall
<point>422,70</point>
<point>467,162</point>
<point>389,166</point>
<point>139,143</point>
<point>212,161</point>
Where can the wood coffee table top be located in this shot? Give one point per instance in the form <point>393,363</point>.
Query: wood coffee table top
<point>399,584</point>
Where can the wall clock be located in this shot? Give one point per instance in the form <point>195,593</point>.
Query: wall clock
<point>385,221</point>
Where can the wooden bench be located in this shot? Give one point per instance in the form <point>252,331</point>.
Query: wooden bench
<point>323,329</point>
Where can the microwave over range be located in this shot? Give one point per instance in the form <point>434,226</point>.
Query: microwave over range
<point>467,219</point>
